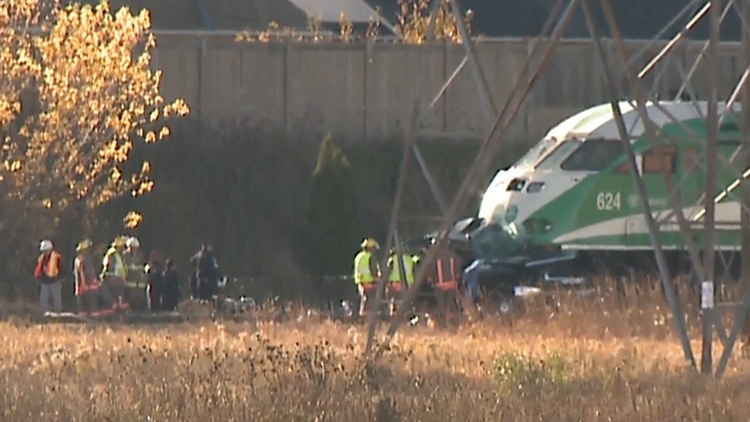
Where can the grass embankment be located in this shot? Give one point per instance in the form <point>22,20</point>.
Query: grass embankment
<point>567,360</point>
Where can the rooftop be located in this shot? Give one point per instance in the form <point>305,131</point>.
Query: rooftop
<point>496,18</point>
<point>244,14</point>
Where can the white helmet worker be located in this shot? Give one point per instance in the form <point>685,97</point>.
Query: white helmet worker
<point>133,242</point>
<point>45,245</point>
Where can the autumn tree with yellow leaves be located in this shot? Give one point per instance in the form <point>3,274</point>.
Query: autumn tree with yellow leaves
<point>413,20</point>
<point>77,94</point>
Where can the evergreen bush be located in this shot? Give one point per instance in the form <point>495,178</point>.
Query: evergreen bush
<point>333,216</point>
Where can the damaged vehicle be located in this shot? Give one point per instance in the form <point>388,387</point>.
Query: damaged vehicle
<point>568,210</point>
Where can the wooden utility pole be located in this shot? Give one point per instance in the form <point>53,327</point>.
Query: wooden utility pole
<point>744,163</point>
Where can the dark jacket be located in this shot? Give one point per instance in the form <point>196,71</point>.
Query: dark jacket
<point>205,265</point>
<point>171,282</point>
<point>154,275</point>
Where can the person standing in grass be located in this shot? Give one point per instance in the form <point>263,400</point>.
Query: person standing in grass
<point>171,287</point>
<point>398,283</point>
<point>155,282</point>
<point>115,272</point>
<point>207,273</point>
<point>47,272</point>
<point>366,274</point>
<point>89,292</point>
<point>84,273</point>
<point>135,275</point>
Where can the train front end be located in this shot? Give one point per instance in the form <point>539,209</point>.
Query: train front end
<point>512,241</point>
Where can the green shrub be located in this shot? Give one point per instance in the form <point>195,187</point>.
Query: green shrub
<point>333,215</point>
<point>523,375</point>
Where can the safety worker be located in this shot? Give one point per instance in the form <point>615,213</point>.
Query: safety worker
<point>445,279</point>
<point>207,274</point>
<point>366,275</point>
<point>397,283</point>
<point>155,276</point>
<point>114,272</point>
<point>193,282</point>
<point>89,292</point>
<point>136,276</point>
<point>47,272</point>
<point>470,282</point>
<point>171,288</point>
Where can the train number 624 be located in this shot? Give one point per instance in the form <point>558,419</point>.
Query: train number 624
<point>608,201</point>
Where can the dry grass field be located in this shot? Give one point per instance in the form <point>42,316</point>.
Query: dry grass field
<point>570,360</point>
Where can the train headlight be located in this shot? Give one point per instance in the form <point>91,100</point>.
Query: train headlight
<point>535,187</point>
<point>516,185</point>
<point>511,213</point>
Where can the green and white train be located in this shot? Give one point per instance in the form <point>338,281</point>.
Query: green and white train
<point>570,203</point>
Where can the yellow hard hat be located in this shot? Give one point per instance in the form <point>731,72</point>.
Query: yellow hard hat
<point>119,241</point>
<point>370,243</point>
<point>83,245</point>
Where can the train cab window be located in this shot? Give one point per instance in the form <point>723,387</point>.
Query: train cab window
<point>593,155</point>
<point>537,152</point>
<point>562,150</point>
<point>624,168</point>
<point>690,160</point>
<point>654,163</point>
<point>649,163</point>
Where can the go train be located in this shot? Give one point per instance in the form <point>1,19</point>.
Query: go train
<point>569,208</point>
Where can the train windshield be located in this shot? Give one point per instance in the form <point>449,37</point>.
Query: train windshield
<point>593,155</point>
<point>536,153</point>
<point>560,153</point>
<point>576,155</point>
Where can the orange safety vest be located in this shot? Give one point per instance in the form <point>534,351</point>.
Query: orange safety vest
<point>446,272</point>
<point>83,285</point>
<point>52,267</point>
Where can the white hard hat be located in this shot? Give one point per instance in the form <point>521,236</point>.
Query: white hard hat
<point>45,245</point>
<point>133,242</point>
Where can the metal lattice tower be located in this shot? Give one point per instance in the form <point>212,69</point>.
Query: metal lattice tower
<point>702,259</point>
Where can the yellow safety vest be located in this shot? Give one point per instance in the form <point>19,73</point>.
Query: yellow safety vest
<point>395,275</point>
<point>362,273</point>
<point>135,271</point>
<point>119,270</point>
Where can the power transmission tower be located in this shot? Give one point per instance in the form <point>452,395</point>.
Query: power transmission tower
<point>689,217</point>
<point>745,184</point>
<point>410,145</point>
